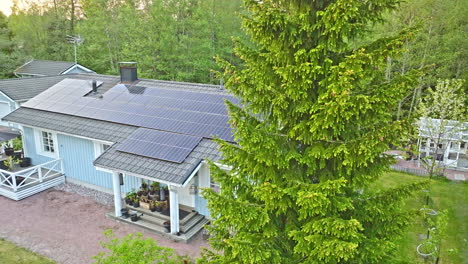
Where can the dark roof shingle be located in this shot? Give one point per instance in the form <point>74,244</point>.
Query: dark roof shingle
<point>44,67</point>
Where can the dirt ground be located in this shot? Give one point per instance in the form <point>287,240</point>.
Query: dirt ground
<point>67,227</point>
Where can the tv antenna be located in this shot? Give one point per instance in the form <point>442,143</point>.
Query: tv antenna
<point>76,41</point>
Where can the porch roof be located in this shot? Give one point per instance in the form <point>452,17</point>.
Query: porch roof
<point>158,169</point>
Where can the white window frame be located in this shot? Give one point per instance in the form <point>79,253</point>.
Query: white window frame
<point>40,143</point>
<point>98,150</point>
<point>99,147</point>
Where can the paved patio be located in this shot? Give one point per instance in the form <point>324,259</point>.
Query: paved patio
<point>67,227</point>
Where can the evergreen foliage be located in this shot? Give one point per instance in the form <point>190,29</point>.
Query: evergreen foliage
<point>315,122</point>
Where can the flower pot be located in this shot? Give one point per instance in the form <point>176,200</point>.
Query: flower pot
<point>144,205</point>
<point>167,226</point>
<point>25,162</point>
<point>124,213</point>
<point>9,151</point>
<point>136,204</point>
<point>135,217</point>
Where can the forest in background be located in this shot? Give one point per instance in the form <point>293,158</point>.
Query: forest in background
<point>179,39</point>
<point>170,40</point>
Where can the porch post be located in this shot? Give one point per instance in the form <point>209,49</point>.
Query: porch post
<point>174,209</point>
<point>117,194</point>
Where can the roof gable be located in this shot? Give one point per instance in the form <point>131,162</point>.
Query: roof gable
<point>47,68</point>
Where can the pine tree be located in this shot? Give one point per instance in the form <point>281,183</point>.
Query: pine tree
<point>315,120</point>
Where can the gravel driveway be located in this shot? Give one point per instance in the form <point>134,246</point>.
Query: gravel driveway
<point>67,227</point>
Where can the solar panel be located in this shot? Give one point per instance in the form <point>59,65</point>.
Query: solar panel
<point>159,145</point>
<point>201,114</point>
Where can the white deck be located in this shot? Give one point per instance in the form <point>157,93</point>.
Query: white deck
<point>18,185</point>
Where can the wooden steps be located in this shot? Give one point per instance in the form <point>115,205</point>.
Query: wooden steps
<point>190,225</point>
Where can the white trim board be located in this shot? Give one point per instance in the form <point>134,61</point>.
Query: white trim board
<point>64,133</point>
<point>77,66</point>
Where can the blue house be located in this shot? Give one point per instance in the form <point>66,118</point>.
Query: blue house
<point>114,133</point>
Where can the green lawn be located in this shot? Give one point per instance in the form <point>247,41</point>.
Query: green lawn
<point>445,195</point>
<point>12,254</point>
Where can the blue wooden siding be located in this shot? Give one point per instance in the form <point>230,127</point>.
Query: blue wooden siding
<point>131,182</point>
<point>29,141</point>
<point>6,106</point>
<point>201,204</point>
<point>78,156</point>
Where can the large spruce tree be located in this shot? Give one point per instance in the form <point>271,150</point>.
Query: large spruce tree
<point>315,120</point>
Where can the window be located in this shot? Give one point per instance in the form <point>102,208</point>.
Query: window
<point>99,148</point>
<point>47,142</point>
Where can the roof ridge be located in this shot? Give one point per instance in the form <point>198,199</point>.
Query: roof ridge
<point>37,77</point>
<point>54,61</point>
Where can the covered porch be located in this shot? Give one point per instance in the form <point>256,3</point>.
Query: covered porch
<point>186,210</point>
<point>161,207</point>
<point>19,184</point>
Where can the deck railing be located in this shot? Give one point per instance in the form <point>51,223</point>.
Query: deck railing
<point>32,175</point>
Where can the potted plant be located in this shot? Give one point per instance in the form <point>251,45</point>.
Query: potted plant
<point>155,186</point>
<point>11,163</point>
<point>129,197</point>
<point>25,162</point>
<point>167,226</point>
<point>152,206</point>
<point>136,202</point>
<point>159,206</point>
<point>144,189</point>
<point>9,150</point>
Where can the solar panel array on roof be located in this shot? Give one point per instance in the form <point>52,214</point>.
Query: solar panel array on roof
<point>159,144</point>
<point>200,114</point>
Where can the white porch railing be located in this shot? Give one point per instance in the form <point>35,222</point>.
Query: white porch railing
<point>31,176</point>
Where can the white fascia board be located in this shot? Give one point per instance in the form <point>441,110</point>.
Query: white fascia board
<point>222,166</point>
<point>139,176</point>
<point>192,174</point>
<point>22,66</point>
<point>9,98</point>
<point>77,66</point>
<point>64,133</point>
